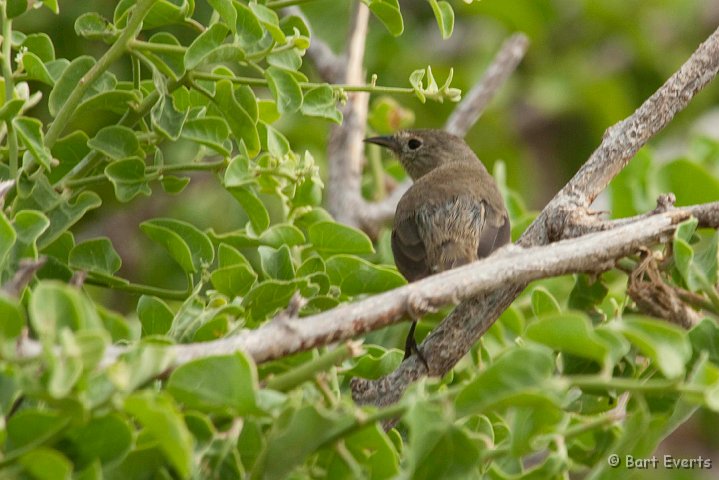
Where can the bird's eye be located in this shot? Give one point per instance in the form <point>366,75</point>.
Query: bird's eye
<point>414,144</point>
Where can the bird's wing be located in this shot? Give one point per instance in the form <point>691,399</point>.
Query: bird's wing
<point>408,249</point>
<point>494,233</point>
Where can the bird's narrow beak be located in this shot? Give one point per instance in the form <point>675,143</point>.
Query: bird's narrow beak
<point>387,141</point>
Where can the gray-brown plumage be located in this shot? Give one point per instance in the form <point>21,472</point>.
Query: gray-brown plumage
<point>453,213</point>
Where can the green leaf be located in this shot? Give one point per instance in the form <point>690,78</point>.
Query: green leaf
<point>585,295</point>
<point>431,438</point>
<point>387,11</point>
<point>543,303</point>
<point>36,70</point>
<point>240,122</point>
<point>7,238</point>
<point>54,306</point>
<point>355,276</point>
<point>117,142</point>
<point>285,89</point>
<point>288,443</point>
<point>115,101</point>
<point>68,81</point>
<point>332,237</point>
<point>691,182</point>
<point>15,8</point>
<point>106,438</point>
<point>170,63</point>
<point>268,297</point>
<point>30,428</point>
<point>46,464</point>
<point>128,178</point>
<point>41,45</point>
<point>205,43</point>
<point>174,185</point>
<point>155,316</point>
<point>226,12</point>
<point>704,337</point>
<point>577,336</point>
<point>519,370</point>
<point>185,243</point>
<point>445,17</point>
<point>221,384</point>
<point>96,255</point>
<point>320,102</point>
<point>277,263</point>
<point>160,417</point>
<point>29,130</point>
<point>13,317</point>
<point>162,13</point>
<point>209,131</point>
<point>666,345</point>
<point>166,119</point>
<point>253,207</point>
<point>29,225</point>
<point>376,362</point>
<point>698,269</point>
<point>69,151</point>
<point>234,280</point>
<point>282,234</point>
<point>94,26</point>
<point>10,109</point>
<point>139,365</point>
<point>248,26</point>
<point>268,18</point>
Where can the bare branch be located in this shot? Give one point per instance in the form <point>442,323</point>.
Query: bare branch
<point>475,102</point>
<point>624,139</point>
<point>511,267</point>
<point>458,332</point>
<point>345,147</point>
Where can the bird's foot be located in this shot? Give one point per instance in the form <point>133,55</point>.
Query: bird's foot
<point>411,347</point>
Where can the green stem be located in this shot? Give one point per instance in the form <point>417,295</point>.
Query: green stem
<point>629,384</point>
<point>307,371</point>
<point>156,47</point>
<point>261,82</point>
<point>277,4</point>
<point>141,289</point>
<point>9,86</point>
<point>154,172</point>
<point>133,27</point>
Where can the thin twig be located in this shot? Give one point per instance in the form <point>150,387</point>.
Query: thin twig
<point>475,102</point>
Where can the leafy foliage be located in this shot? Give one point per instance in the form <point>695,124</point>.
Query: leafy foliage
<point>80,140</point>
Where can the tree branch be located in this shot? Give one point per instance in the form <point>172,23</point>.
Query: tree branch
<point>475,102</point>
<point>345,147</point>
<point>461,329</point>
<point>511,266</point>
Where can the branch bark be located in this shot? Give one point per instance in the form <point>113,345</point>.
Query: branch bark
<point>471,284</point>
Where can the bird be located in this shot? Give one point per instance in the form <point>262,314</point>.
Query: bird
<point>452,214</point>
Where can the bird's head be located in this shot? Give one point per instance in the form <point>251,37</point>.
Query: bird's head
<point>421,151</point>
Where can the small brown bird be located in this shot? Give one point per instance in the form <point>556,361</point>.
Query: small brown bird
<point>453,214</point>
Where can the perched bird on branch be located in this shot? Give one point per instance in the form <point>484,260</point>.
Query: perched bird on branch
<point>453,213</point>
